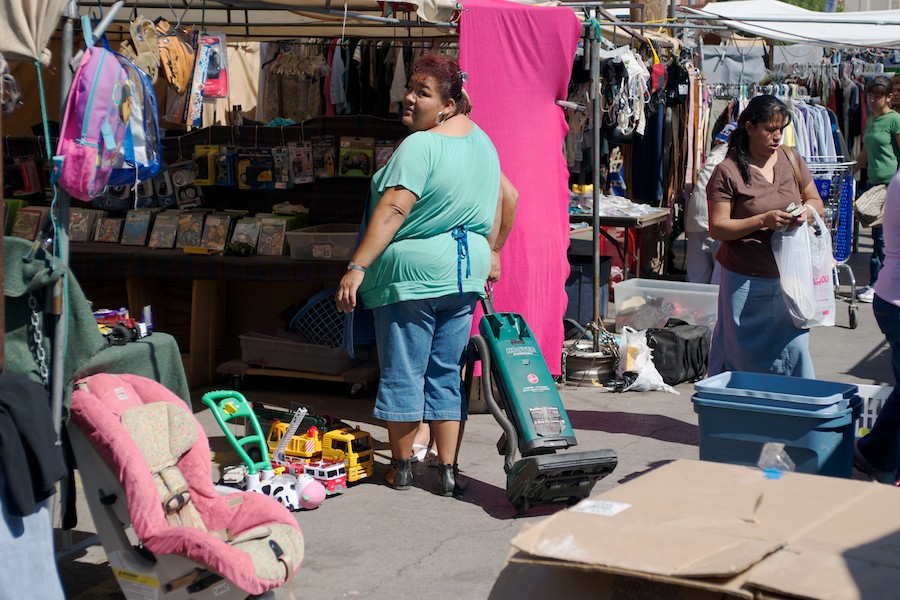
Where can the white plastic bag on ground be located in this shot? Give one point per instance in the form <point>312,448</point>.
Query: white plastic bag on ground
<point>636,358</point>
<point>805,266</point>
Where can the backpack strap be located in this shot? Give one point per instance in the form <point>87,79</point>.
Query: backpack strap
<point>87,31</point>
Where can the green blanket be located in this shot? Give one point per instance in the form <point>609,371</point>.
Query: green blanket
<point>86,351</point>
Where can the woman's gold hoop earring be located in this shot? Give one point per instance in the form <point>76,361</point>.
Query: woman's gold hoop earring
<point>439,120</point>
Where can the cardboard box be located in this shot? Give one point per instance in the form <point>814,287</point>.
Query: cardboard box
<point>699,530</point>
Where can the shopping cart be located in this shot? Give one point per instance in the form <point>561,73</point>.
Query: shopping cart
<point>834,181</point>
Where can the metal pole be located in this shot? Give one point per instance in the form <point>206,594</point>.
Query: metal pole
<point>62,208</point>
<point>595,160</point>
<point>62,217</point>
<point>789,19</point>
<point>65,55</point>
<point>674,26</point>
<point>102,26</point>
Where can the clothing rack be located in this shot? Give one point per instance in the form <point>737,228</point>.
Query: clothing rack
<point>593,42</point>
<point>410,43</point>
<point>749,90</point>
<point>592,45</point>
<point>835,70</point>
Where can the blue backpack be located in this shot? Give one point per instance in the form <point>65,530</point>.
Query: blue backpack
<point>140,157</point>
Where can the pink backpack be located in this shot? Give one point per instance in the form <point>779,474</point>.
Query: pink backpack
<point>94,124</point>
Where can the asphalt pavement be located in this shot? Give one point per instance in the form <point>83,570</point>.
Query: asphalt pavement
<point>377,543</point>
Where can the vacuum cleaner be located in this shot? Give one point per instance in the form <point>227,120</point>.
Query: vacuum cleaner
<point>531,414</point>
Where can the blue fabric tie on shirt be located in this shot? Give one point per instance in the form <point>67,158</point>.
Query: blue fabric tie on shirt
<point>460,233</point>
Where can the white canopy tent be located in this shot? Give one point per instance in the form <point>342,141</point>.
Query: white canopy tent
<point>788,23</point>
<point>26,26</point>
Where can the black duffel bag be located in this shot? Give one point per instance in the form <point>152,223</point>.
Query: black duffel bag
<point>680,350</point>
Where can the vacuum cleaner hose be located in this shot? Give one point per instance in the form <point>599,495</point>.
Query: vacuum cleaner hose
<point>478,349</point>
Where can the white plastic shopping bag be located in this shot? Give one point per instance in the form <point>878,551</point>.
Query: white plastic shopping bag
<point>823,271</point>
<point>805,265</point>
<point>636,358</point>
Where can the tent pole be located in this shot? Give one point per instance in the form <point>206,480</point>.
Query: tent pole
<point>595,165</point>
<point>62,230</point>
<point>786,19</point>
<point>65,55</point>
<point>58,299</point>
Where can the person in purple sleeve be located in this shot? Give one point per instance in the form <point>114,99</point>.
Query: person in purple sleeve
<point>876,453</point>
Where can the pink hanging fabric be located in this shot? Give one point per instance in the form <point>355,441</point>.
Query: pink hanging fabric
<point>519,59</point>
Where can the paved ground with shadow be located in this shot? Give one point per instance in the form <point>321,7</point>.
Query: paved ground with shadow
<point>377,543</point>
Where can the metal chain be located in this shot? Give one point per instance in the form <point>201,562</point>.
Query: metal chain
<point>605,338</point>
<point>40,355</point>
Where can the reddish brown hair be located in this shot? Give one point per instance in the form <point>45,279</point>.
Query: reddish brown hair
<point>446,75</point>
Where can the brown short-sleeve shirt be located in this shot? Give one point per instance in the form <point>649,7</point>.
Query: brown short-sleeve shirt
<point>752,254</point>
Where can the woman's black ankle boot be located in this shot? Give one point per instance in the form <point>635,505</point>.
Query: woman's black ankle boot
<point>402,474</point>
<point>447,476</point>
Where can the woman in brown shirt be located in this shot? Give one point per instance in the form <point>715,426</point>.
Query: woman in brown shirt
<point>747,196</point>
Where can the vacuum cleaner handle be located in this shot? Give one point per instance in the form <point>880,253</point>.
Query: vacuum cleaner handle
<point>487,303</point>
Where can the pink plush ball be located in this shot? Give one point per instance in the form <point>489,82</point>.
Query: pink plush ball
<point>310,492</point>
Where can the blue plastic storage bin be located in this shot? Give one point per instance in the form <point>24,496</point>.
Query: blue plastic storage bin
<point>580,288</point>
<point>777,391</point>
<point>734,431</point>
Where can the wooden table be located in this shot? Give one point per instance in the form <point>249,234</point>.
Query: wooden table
<point>144,269</point>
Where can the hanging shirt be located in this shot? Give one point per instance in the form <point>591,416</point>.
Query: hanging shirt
<point>398,83</point>
<point>696,214</point>
<point>329,107</point>
<point>802,137</point>
<point>336,89</point>
<point>787,136</point>
<point>456,181</point>
<point>691,125</point>
<point>823,131</point>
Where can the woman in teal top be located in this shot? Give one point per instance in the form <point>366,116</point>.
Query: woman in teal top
<point>880,156</point>
<point>427,257</point>
<point>424,261</point>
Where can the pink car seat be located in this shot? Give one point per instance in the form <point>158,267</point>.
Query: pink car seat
<point>144,460</point>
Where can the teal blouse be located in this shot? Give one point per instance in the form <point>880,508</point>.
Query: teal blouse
<point>442,246</point>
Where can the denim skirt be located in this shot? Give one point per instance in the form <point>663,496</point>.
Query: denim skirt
<point>754,331</point>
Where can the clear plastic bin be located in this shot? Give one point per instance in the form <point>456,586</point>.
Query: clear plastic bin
<point>334,241</point>
<point>644,303</point>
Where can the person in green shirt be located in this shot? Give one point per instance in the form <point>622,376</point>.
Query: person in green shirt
<point>880,156</point>
<point>430,244</point>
